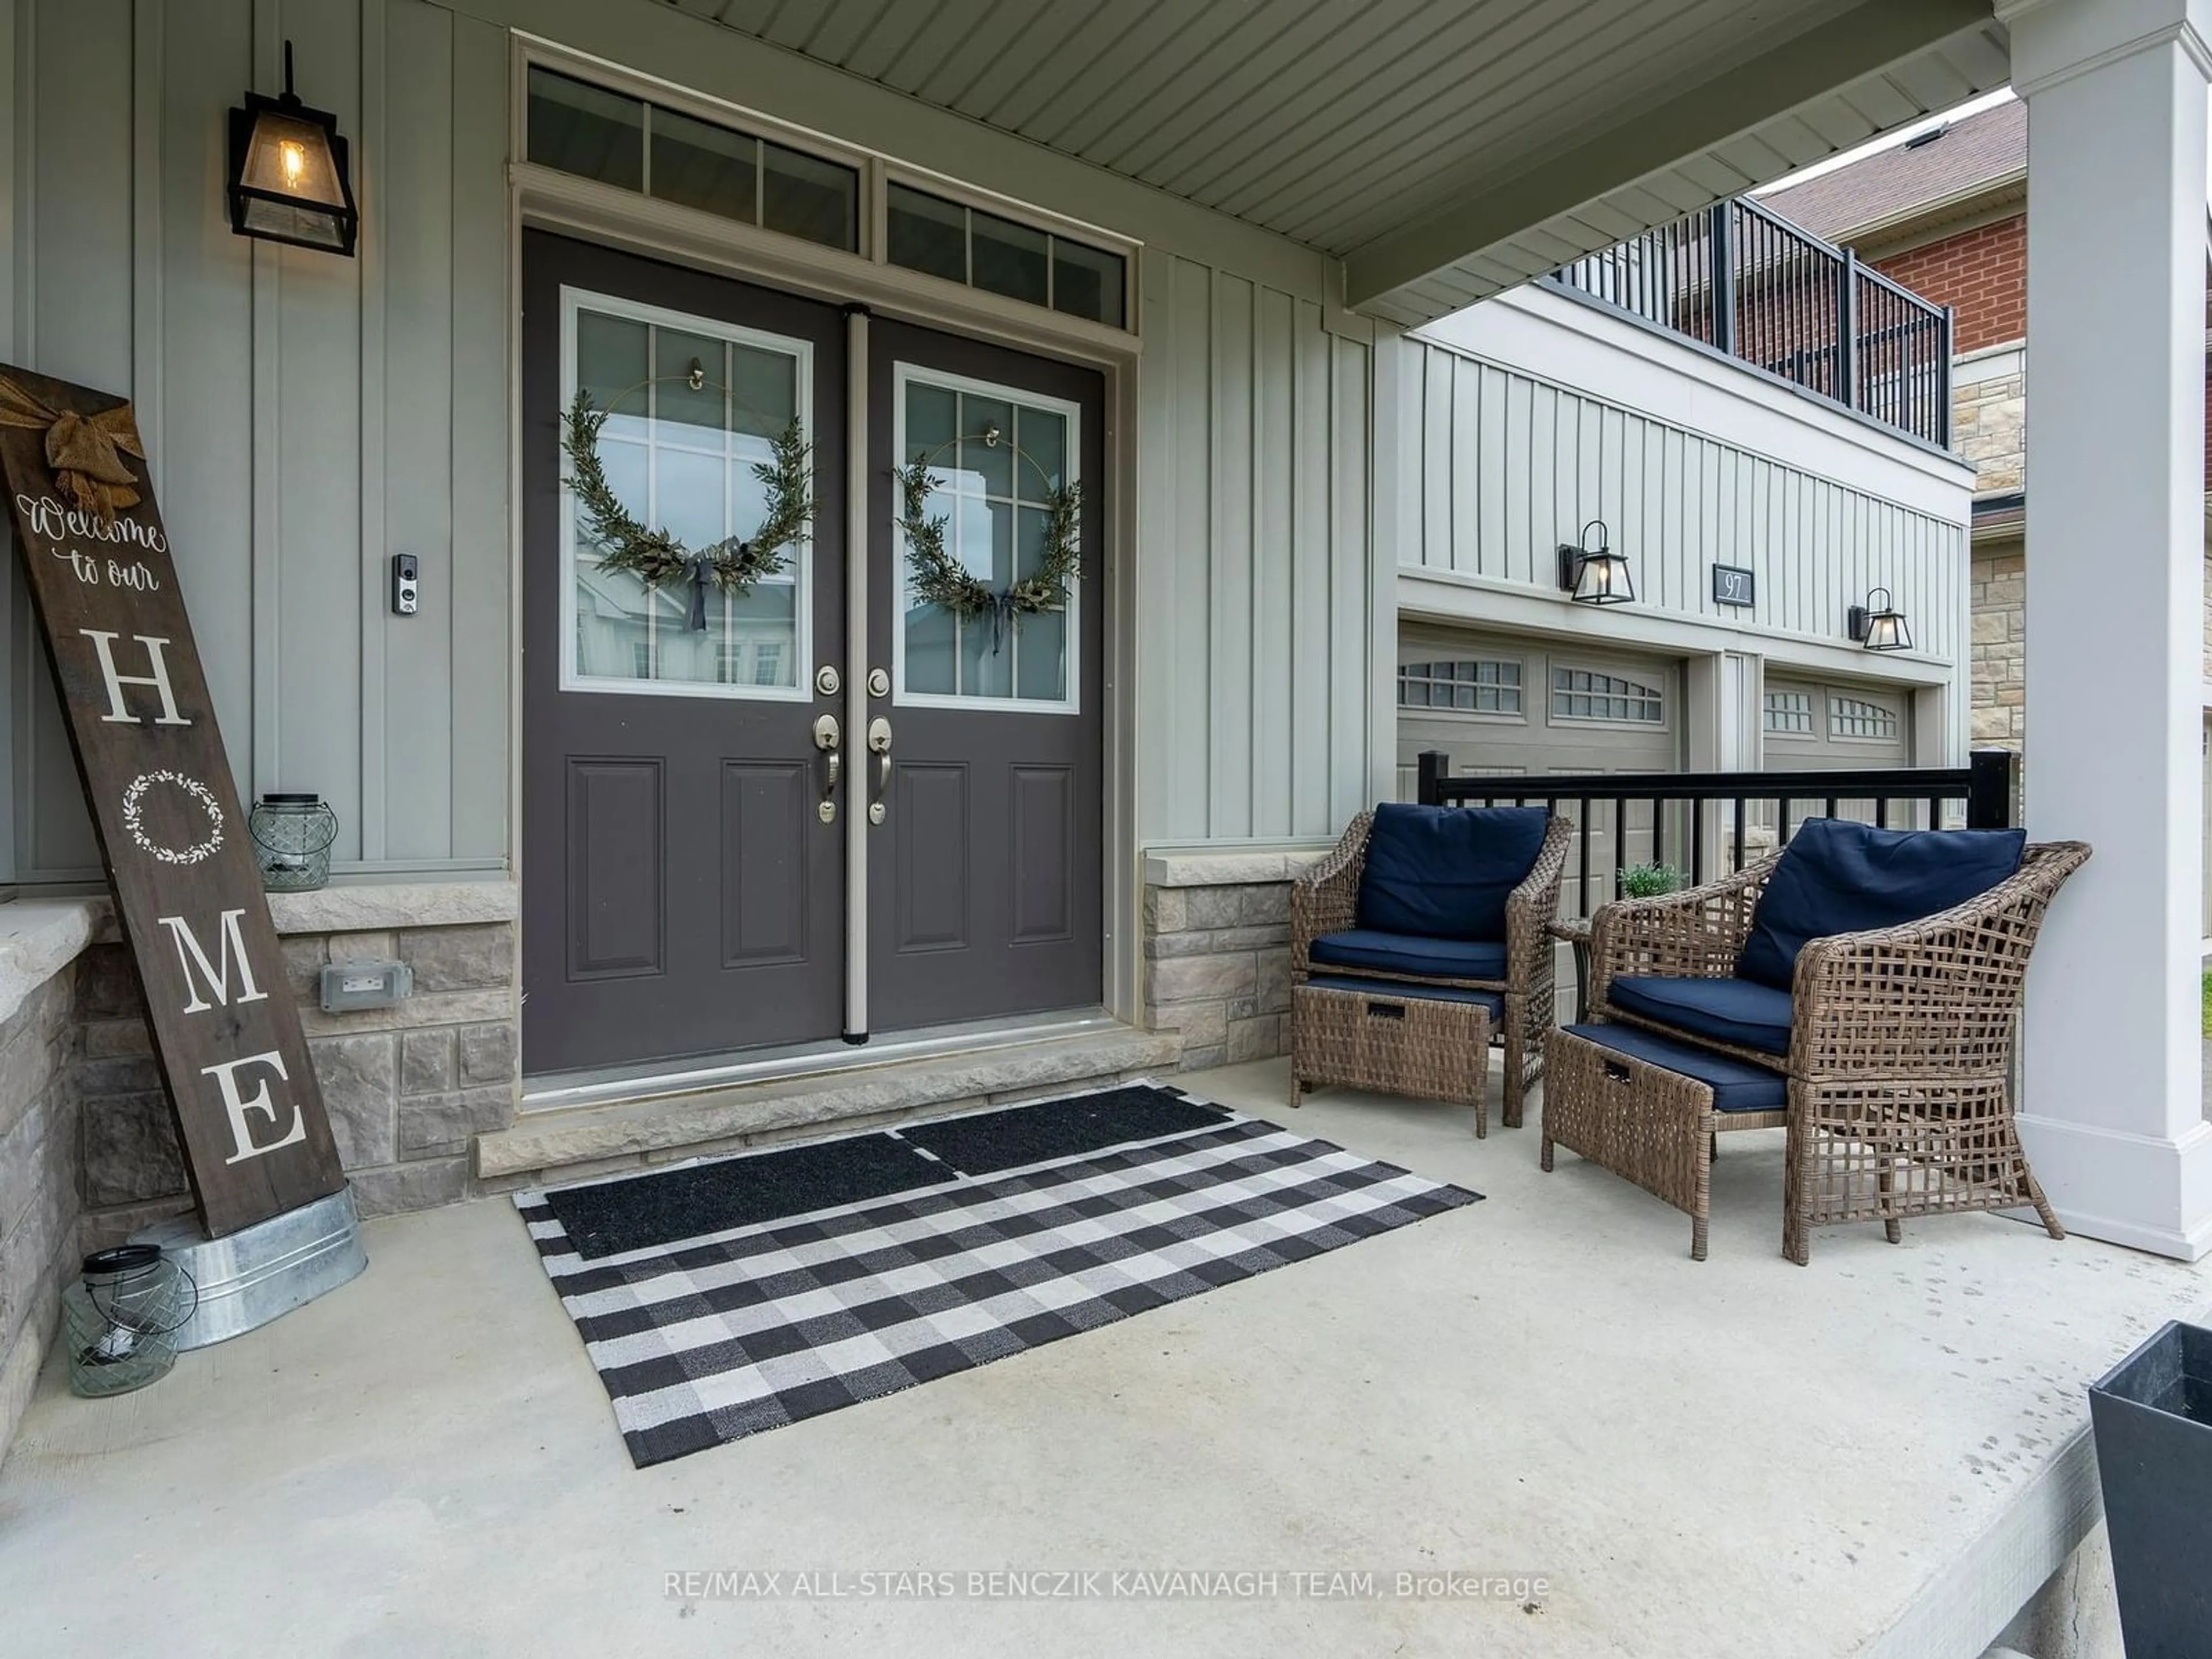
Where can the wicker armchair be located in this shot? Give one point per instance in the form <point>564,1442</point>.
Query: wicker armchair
<point>1325,899</point>
<point>1901,1043</point>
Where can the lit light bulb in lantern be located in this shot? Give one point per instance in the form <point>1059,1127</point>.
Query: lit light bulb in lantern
<point>292,160</point>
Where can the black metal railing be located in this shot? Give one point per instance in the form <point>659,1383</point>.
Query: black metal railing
<point>1742,280</point>
<point>1718,821</point>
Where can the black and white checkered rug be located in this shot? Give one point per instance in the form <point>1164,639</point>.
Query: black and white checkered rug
<point>719,1336</point>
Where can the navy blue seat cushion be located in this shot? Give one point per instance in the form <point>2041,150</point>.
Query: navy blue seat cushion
<point>1737,1084</point>
<point>1446,871</point>
<point>1740,1012</point>
<point>1376,987</point>
<point>1411,953</point>
<point>1839,877</point>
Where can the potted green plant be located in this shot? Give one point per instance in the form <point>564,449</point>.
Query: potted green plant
<point>1640,881</point>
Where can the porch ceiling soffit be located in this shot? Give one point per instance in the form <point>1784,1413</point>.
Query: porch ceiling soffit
<point>1877,66</point>
<point>1445,152</point>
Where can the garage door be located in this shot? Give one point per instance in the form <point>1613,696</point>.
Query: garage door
<point>1833,725</point>
<point>1814,726</point>
<point>1499,705</point>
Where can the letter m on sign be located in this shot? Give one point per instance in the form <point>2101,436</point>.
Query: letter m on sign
<point>187,891</point>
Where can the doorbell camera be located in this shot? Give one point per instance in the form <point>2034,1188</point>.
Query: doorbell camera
<point>405,595</point>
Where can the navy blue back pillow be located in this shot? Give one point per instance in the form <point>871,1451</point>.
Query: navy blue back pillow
<point>1839,877</point>
<point>1446,871</point>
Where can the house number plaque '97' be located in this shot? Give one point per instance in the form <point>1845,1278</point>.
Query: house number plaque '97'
<point>187,893</point>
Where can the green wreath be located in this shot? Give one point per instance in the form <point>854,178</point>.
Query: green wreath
<point>934,576</point>
<point>656,558</point>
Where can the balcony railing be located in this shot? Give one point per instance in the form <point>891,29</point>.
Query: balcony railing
<point>1708,824</point>
<point>1745,281</point>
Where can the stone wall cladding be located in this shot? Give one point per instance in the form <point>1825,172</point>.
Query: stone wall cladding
<point>1999,651</point>
<point>406,1088</point>
<point>40,1156</point>
<point>1217,945</point>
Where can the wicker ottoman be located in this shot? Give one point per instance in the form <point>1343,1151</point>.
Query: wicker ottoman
<point>1432,1042</point>
<point>1647,1108</point>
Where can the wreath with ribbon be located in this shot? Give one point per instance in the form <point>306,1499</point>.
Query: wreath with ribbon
<point>935,577</point>
<point>733,565</point>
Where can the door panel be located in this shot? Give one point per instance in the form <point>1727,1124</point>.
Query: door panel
<point>986,876</point>
<point>681,895</point>
<point>617,915</point>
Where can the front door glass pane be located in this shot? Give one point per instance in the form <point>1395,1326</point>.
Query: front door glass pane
<point>681,457</point>
<point>995,458</point>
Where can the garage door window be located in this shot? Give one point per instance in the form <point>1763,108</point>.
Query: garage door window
<point>1583,694</point>
<point>1855,717</point>
<point>1790,713</point>
<point>1478,686</point>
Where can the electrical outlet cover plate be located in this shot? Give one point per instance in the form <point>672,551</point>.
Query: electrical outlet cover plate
<point>350,985</point>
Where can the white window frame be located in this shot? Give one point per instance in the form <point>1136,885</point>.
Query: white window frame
<point>904,374</point>
<point>1479,716</point>
<point>1660,692</point>
<point>1811,730</point>
<point>574,300</point>
<point>1895,716</point>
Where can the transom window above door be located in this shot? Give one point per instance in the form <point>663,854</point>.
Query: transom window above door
<point>995,458</point>
<point>693,407</point>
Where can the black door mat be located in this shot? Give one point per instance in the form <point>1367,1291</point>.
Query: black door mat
<point>1037,1134</point>
<point>639,1213</point>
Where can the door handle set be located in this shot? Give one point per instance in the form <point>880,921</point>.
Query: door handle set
<point>827,736</point>
<point>879,743</point>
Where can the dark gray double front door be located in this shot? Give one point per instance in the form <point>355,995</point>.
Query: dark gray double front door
<point>685,893</point>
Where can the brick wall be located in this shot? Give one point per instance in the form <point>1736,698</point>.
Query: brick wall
<point>38,1202</point>
<point>1981,273</point>
<point>1216,941</point>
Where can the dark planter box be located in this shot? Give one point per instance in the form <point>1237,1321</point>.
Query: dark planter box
<point>2151,1417</point>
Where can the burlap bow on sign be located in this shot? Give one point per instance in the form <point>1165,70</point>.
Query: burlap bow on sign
<point>82,449</point>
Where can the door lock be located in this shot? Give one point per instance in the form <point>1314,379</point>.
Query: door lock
<point>879,684</point>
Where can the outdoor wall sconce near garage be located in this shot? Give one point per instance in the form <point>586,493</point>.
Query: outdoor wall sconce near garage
<point>1594,576</point>
<point>1878,624</point>
<point>288,173</point>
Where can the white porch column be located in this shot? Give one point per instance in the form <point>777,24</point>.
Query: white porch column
<point>2112,1109</point>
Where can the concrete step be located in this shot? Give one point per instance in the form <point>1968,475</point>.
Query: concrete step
<point>576,1142</point>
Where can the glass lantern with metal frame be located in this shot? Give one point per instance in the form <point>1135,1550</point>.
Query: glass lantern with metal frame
<point>288,173</point>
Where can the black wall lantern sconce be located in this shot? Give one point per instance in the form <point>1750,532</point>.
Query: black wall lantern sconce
<point>1878,624</point>
<point>288,173</point>
<point>1594,576</point>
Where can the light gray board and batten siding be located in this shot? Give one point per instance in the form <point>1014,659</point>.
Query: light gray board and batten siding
<point>310,416</point>
<point>1419,140</point>
<point>306,416</point>
<point>1502,466</point>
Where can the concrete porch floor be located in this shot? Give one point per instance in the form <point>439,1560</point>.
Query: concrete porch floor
<point>1732,1457</point>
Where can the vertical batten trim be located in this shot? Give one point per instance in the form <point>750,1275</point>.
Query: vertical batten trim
<point>859,788</point>
<point>145,287</point>
<point>1257,765</point>
<point>268,449</point>
<point>367,157</point>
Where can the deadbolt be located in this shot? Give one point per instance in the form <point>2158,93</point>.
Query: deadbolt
<point>826,680</point>
<point>879,683</point>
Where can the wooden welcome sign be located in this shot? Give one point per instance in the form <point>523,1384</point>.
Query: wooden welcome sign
<point>188,889</point>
